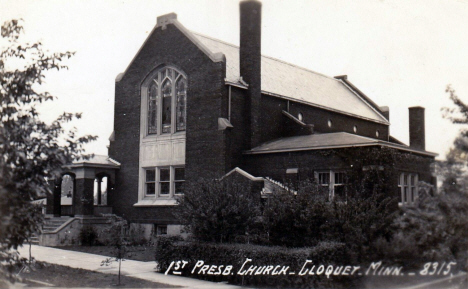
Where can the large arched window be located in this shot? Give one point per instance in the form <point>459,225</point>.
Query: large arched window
<point>167,98</point>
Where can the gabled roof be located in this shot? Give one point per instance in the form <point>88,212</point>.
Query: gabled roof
<point>327,141</point>
<point>283,79</point>
<point>279,78</point>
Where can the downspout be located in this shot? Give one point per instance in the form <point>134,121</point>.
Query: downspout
<point>229,104</point>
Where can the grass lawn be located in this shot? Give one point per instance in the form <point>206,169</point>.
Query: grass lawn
<point>63,276</point>
<point>137,253</point>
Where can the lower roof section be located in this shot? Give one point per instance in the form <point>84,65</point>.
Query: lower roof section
<point>327,141</point>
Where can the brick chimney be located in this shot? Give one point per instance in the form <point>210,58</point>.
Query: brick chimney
<point>250,62</point>
<point>385,111</point>
<point>417,136</point>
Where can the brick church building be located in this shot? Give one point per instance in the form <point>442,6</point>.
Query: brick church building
<point>189,106</point>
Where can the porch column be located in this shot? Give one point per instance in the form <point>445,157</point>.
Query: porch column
<point>57,210</point>
<point>83,199</point>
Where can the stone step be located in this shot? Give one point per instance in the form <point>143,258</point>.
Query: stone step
<point>55,222</point>
<point>49,228</point>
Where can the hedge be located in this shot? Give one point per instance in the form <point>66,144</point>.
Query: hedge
<point>169,249</point>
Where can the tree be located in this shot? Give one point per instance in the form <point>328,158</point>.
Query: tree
<point>115,235</point>
<point>31,151</point>
<point>219,211</point>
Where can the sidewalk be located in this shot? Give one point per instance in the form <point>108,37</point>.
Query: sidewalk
<point>136,269</point>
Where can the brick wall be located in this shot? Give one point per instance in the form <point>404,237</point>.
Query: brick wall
<point>206,96</point>
<point>275,165</point>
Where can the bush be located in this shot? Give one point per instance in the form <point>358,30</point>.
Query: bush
<point>88,236</point>
<point>306,218</point>
<point>219,211</point>
<point>170,249</point>
<point>433,230</point>
<point>136,235</point>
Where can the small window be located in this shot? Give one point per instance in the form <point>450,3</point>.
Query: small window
<point>377,133</point>
<point>299,116</point>
<point>408,188</point>
<point>339,178</point>
<point>324,179</point>
<point>330,123</point>
<point>150,182</point>
<point>355,129</point>
<point>161,230</point>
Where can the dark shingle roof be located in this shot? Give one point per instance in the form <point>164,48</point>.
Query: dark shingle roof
<point>326,141</point>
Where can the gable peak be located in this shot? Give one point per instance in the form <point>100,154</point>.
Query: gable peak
<point>166,19</point>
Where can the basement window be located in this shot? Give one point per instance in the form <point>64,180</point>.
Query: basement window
<point>161,230</point>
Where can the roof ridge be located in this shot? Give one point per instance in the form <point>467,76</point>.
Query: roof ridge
<point>215,39</point>
<point>266,56</point>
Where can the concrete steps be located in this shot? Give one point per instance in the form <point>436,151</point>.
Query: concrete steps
<point>52,224</point>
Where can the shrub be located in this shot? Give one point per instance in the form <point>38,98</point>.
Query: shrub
<point>88,236</point>
<point>219,211</point>
<point>136,235</point>
<point>329,253</point>
<point>307,217</point>
<point>433,230</point>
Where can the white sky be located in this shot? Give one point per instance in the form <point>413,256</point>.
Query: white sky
<point>400,53</point>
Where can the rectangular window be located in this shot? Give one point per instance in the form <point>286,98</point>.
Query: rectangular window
<point>150,182</point>
<point>336,183</point>
<point>408,188</point>
<point>164,181</point>
<point>179,179</point>
<point>339,187</point>
<point>161,230</point>
<point>324,179</point>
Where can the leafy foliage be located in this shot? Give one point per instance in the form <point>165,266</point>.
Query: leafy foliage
<point>169,249</point>
<point>88,236</point>
<point>433,230</point>
<point>307,217</point>
<point>218,211</point>
<point>31,151</point>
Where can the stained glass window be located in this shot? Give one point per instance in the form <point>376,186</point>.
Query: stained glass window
<point>181,112</point>
<point>153,108</point>
<point>167,102</point>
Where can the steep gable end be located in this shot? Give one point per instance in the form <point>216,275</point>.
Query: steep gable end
<point>161,23</point>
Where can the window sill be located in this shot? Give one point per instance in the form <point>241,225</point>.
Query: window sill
<point>155,202</point>
<point>166,136</point>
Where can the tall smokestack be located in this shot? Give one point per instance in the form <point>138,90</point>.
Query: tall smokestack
<point>250,62</point>
<point>417,135</point>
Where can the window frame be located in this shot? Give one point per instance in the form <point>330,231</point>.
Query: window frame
<point>408,188</point>
<point>160,77</point>
<point>160,230</point>
<point>172,193</point>
<point>331,181</point>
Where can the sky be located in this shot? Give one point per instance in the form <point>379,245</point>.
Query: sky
<point>400,53</point>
